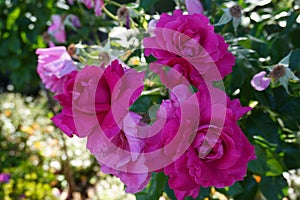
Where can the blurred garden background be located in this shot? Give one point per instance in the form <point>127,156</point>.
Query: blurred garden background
<point>37,161</point>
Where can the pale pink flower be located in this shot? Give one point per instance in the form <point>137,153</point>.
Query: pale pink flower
<point>260,82</point>
<point>194,6</point>
<point>97,4</point>
<point>57,28</point>
<point>74,20</point>
<point>53,65</point>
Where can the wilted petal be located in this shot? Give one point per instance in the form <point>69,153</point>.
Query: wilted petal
<point>194,6</point>
<point>74,20</point>
<point>88,3</point>
<point>152,23</point>
<point>98,7</point>
<point>260,82</point>
<point>236,21</point>
<point>53,65</point>
<point>57,29</point>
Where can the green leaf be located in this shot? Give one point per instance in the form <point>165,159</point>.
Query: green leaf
<point>153,111</point>
<point>14,62</point>
<point>268,162</point>
<point>260,46</point>
<point>250,189</point>
<point>295,61</point>
<point>14,43</point>
<point>12,17</point>
<point>288,107</point>
<point>261,124</point>
<point>286,59</point>
<point>204,192</point>
<point>235,189</point>
<point>279,49</point>
<point>144,103</point>
<point>169,192</point>
<point>273,188</point>
<point>147,4</point>
<point>238,76</point>
<point>3,48</point>
<point>291,156</point>
<point>154,189</point>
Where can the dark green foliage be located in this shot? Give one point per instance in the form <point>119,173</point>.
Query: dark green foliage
<point>272,126</point>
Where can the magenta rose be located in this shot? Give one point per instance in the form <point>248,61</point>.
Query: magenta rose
<point>187,73</point>
<point>118,88</point>
<point>218,155</point>
<point>192,38</point>
<point>180,122</point>
<point>64,120</point>
<point>95,102</point>
<point>134,182</point>
<point>53,66</point>
<point>89,93</point>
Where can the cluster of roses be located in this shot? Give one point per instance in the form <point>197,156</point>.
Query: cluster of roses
<point>195,139</point>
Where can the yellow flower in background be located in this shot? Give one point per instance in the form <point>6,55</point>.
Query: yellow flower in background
<point>35,126</point>
<point>7,113</point>
<point>37,145</point>
<point>27,129</point>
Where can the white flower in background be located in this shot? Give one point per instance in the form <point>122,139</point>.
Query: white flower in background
<point>96,55</point>
<point>279,73</point>
<point>120,43</point>
<point>233,13</point>
<point>282,73</point>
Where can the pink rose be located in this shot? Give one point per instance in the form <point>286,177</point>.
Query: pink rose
<point>118,88</point>
<point>218,155</point>
<point>180,122</point>
<point>95,101</point>
<point>193,39</point>
<point>134,182</point>
<point>172,78</point>
<point>53,66</point>
<point>91,92</point>
<point>64,120</point>
<point>57,28</point>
